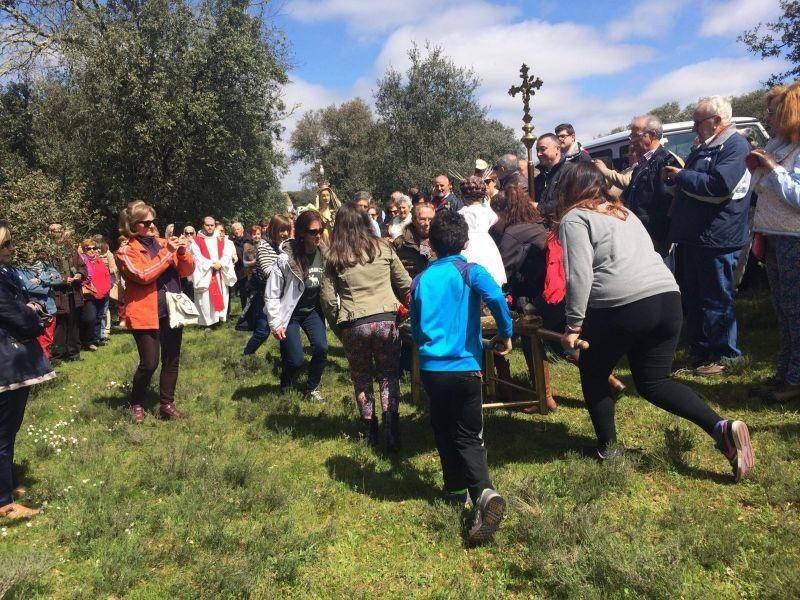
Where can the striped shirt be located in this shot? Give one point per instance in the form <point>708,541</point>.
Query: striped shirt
<point>266,255</point>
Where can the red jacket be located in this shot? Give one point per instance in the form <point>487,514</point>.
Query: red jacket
<point>140,272</point>
<point>99,276</point>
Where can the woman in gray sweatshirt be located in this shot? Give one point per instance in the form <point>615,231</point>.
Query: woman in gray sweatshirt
<point>623,300</point>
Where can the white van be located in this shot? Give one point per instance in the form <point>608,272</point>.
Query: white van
<point>678,138</point>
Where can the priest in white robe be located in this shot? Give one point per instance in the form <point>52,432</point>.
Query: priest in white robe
<point>214,273</point>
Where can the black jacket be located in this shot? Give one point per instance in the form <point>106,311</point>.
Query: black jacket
<point>546,184</point>
<point>22,361</point>
<point>523,250</point>
<point>647,196</point>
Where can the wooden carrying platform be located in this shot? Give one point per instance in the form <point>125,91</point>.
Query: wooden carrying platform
<point>528,325</point>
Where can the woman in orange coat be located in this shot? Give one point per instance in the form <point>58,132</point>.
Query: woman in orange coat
<point>151,267</point>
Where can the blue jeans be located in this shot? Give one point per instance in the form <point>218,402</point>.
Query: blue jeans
<point>707,286</point>
<point>783,270</point>
<point>259,325</point>
<point>100,322</point>
<point>292,355</point>
<point>12,409</point>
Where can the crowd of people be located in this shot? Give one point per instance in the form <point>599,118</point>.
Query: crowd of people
<point>615,259</point>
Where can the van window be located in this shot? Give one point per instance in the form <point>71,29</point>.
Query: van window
<point>680,142</point>
<point>605,156</point>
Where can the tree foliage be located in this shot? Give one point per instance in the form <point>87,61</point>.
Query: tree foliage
<point>434,122</point>
<point>172,101</point>
<point>428,122</point>
<point>779,38</point>
<point>346,140</point>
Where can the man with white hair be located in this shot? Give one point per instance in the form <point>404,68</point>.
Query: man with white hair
<point>709,223</point>
<point>647,195</point>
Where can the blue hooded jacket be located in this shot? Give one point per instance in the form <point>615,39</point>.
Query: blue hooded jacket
<point>446,314</point>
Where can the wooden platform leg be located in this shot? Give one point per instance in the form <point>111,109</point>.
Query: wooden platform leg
<point>538,372</point>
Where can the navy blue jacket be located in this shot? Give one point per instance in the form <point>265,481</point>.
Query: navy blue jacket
<point>713,198</point>
<point>22,361</point>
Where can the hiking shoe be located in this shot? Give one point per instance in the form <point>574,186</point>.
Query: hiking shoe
<point>734,443</point>
<point>710,369</point>
<point>488,513</point>
<point>315,396</point>
<point>785,393</point>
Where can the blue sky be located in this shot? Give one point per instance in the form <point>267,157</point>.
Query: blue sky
<point>601,62</point>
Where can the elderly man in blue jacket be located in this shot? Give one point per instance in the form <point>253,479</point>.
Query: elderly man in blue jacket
<point>709,222</point>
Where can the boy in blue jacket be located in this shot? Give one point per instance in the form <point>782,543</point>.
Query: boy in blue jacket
<point>445,323</point>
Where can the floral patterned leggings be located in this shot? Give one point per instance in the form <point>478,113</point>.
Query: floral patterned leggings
<point>378,342</point>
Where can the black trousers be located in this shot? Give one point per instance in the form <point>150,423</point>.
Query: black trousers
<point>12,409</point>
<point>647,332</point>
<point>67,336</point>
<point>457,420</point>
<point>150,343</point>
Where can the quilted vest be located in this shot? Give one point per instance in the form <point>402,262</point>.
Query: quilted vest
<point>773,214</point>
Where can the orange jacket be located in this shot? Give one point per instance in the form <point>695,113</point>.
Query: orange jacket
<point>140,272</point>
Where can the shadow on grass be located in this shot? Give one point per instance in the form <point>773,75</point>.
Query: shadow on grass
<point>400,482</point>
<point>256,392</point>
<point>122,401</point>
<point>728,394</point>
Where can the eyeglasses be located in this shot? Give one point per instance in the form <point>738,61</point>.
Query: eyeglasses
<point>770,112</point>
<point>563,136</point>
<point>392,211</point>
<point>696,122</point>
<point>90,248</point>
<point>314,231</point>
<point>188,232</point>
<point>7,244</point>
<point>146,223</point>
<point>634,136</point>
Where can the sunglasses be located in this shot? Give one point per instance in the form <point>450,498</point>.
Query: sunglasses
<point>314,231</point>
<point>90,248</point>
<point>7,244</point>
<point>146,223</point>
<point>392,211</point>
<point>188,232</point>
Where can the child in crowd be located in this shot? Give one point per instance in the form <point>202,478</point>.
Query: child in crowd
<point>445,323</point>
<point>480,218</point>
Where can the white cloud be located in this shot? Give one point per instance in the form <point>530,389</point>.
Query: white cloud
<point>732,17</point>
<point>363,17</point>
<point>562,54</point>
<point>646,20</point>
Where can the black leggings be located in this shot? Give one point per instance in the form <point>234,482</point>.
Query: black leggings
<point>647,332</point>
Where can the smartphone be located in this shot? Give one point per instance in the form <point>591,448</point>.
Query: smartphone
<point>752,161</point>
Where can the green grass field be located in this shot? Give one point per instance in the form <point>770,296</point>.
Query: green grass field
<point>264,495</point>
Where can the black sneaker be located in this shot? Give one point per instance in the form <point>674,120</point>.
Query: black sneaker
<point>459,499</point>
<point>488,513</point>
<point>735,445</point>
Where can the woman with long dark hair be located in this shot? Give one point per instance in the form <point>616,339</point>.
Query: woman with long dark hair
<point>291,302</point>
<point>623,300</point>
<point>364,284</point>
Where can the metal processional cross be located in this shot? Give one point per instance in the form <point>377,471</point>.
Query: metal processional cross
<point>528,89</point>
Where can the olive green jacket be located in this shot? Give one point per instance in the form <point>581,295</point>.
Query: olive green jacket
<point>365,290</point>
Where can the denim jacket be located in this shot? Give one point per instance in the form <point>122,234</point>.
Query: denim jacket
<point>41,291</point>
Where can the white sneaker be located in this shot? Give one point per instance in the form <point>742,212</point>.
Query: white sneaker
<point>316,396</point>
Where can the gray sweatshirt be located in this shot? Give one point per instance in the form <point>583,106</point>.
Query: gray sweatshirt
<point>609,262</point>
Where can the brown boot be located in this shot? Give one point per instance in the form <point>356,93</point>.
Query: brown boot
<point>167,410</point>
<point>15,511</point>
<point>503,368</point>
<point>137,412</point>
<point>617,387</point>
<point>549,401</point>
